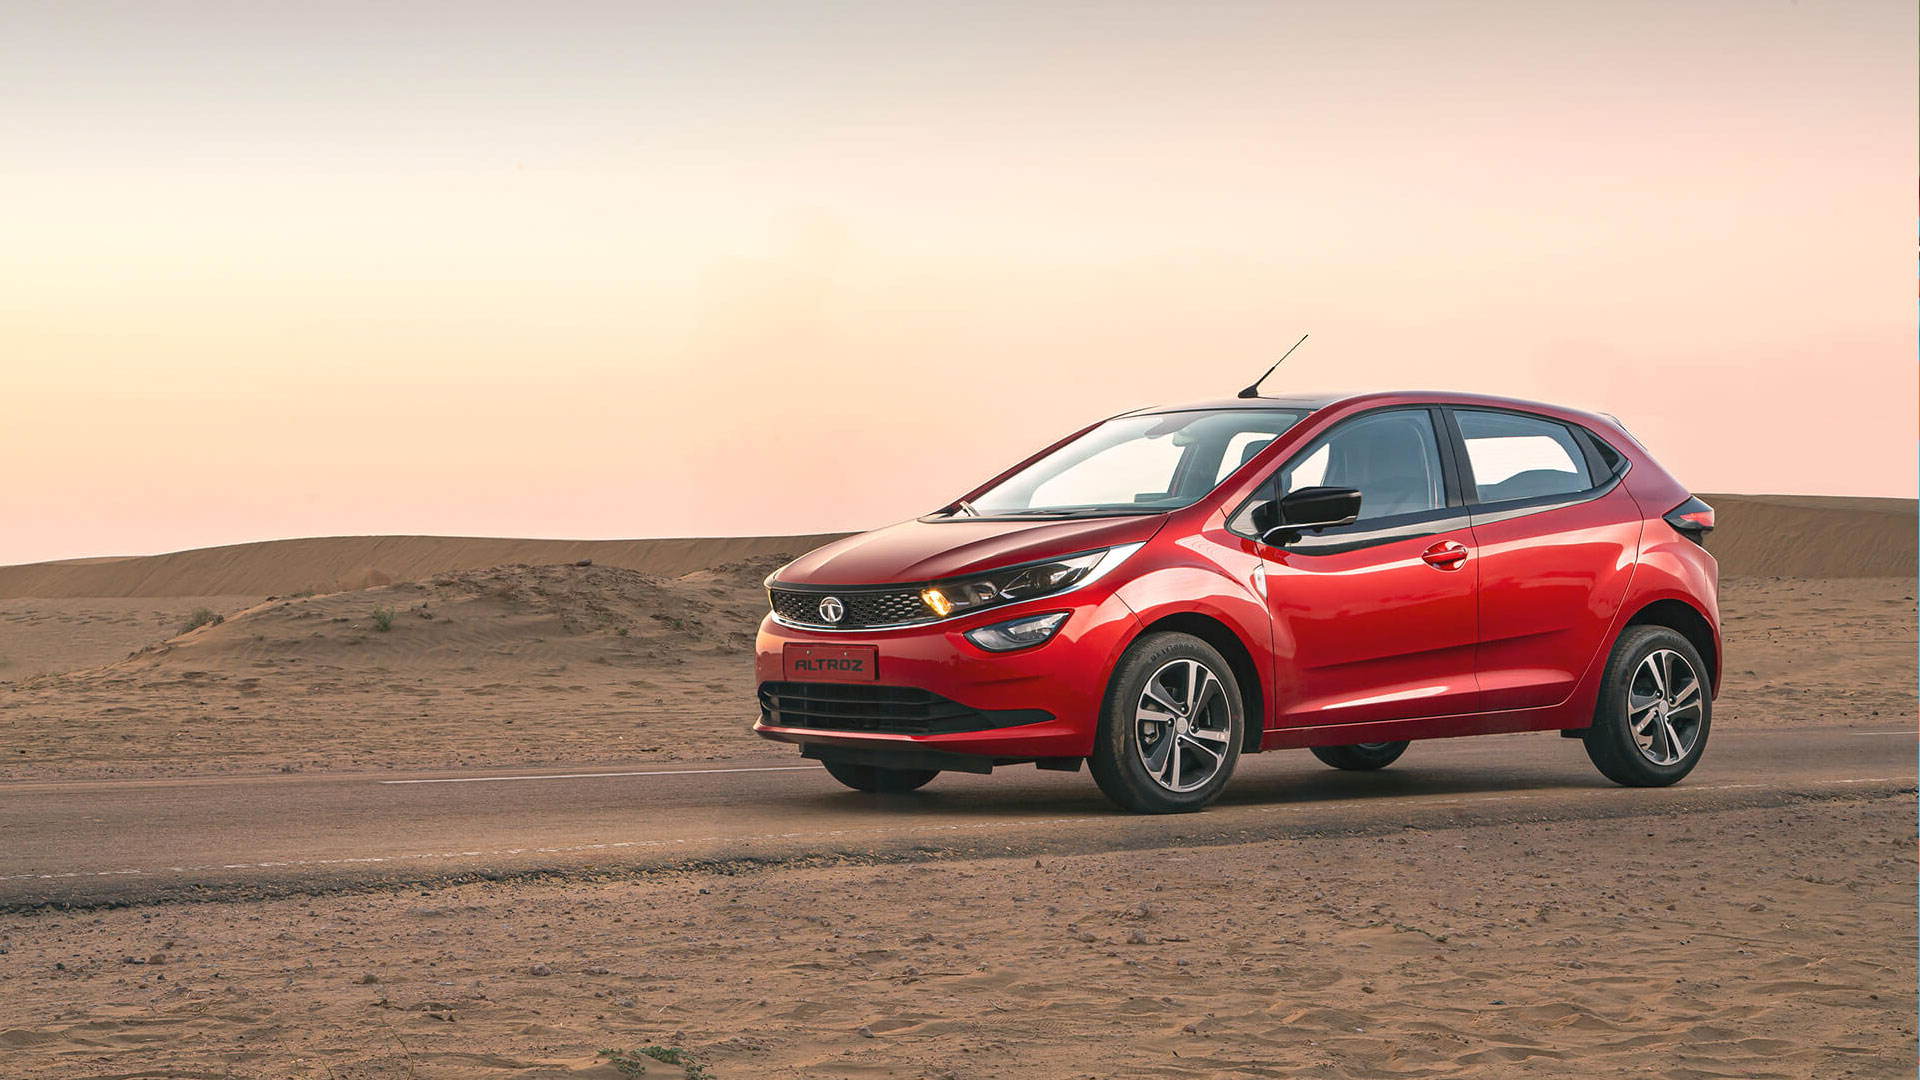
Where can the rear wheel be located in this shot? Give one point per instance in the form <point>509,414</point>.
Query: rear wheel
<point>878,780</point>
<point>1656,707</point>
<point>1170,727</point>
<point>1361,757</point>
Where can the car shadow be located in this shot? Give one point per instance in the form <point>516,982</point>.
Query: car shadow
<point>1020,793</point>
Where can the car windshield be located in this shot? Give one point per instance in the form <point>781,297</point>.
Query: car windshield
<point>1141,464</point>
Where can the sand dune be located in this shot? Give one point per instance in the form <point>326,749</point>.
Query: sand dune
<point>1759,536</point>
<point>46,637</point>
<point>521,663</point>
<point>336,563</point>
<point>1813,536</point>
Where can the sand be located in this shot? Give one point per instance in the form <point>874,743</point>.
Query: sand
<point>1754,943</point>
<point>510,665</point>
<point>335,563</point>
<point>535,665</point>
<point>47,637</point>
<point>1813,536</point>
<point>1815,652</point>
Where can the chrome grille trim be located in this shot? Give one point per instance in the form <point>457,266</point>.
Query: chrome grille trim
<point>866,608</point>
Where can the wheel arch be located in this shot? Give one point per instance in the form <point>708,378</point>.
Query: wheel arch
<point>1690,622</point>
<point>1228,644</point>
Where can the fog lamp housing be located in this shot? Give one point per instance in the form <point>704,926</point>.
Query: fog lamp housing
<point>1022,633</point>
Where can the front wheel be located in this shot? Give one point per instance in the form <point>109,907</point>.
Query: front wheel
<point>877,780</point>
<point>1656,707</point>
<point>1361,757</point>
<point>1170,727</point>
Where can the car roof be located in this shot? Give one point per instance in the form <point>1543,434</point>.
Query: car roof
<point>1309,402</point>
<point>1316,402</point>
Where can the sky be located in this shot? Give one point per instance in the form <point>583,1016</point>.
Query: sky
<point>617,270</point>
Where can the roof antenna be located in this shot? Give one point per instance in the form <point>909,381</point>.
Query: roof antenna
<point>1254,390</point>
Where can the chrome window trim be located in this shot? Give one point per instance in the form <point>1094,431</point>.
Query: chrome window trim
<point>1488,513</point>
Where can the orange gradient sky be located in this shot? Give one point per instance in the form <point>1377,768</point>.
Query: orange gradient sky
<point>595,270</point>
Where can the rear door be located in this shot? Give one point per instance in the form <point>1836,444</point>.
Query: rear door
<point>1374,620</point>
<point>1556,535</point>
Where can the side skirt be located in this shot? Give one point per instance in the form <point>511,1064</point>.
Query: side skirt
<point>1546,718</point>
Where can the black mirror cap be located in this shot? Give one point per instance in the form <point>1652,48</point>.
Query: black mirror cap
<point>1320,507</point>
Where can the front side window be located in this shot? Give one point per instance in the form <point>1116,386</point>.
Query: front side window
<point>1138,464</point>
<point>1521,457</point>
<point>1392,458</point>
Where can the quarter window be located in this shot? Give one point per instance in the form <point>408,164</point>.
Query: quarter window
<point>1521,457</point>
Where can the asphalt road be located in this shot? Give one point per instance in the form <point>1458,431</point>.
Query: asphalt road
<point>135,841</point>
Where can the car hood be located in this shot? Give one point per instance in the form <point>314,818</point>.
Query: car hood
<point>930,550</point>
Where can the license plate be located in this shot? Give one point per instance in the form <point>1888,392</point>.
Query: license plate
<point>832,663</point>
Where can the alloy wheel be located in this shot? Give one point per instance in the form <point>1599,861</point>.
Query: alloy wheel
<point>1664,707</point>
<point>1183,725</point>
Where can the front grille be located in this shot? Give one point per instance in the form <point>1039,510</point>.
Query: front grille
<point>887,710</point>
<point>864,607</point>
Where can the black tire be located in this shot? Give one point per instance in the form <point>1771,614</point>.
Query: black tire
<point>876,780</point>
<point>1628,682</point>
<point>1118,760</point>
<point>1361,757</point>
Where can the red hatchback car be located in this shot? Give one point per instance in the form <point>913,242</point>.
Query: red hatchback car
<point>1163,591</point>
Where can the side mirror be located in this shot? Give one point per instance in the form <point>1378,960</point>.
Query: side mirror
<point>1308,508</point>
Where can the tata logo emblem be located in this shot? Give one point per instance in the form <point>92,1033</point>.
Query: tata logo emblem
<point>832,610</point>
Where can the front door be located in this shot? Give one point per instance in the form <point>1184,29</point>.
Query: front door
<point>1375,620</point>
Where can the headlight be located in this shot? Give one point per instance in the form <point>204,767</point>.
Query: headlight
<point>1018,633</point>
<point>1022,582</point>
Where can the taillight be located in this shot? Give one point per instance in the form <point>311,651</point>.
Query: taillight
<point>1692,519</point>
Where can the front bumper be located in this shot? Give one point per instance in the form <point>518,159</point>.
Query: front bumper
<point>1042,702</point>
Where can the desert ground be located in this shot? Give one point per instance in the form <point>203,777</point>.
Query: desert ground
<point>1758,920</point>
<point>1752,943</point>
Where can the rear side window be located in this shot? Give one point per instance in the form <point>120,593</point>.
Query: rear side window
<point>1521,457</point>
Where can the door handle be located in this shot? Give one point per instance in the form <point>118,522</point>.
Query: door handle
<point>1447,555</point>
